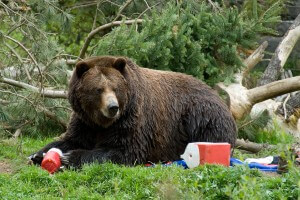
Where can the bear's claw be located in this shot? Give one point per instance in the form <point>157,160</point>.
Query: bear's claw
<point>36,158</point>
<point>65,159</point>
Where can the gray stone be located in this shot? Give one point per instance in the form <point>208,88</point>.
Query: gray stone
<point>292,12</point>
<point>283,26</point>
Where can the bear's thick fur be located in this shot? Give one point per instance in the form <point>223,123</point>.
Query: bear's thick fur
<point>130,115</point>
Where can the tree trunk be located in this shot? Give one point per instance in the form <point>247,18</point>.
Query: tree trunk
<point>282,52</point>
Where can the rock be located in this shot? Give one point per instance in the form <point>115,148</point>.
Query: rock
<point>282,27</point>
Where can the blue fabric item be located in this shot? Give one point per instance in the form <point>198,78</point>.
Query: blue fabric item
<point>181,163</point>
<point>266,168</point>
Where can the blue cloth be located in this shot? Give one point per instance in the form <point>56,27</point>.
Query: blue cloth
<point>266,168</point>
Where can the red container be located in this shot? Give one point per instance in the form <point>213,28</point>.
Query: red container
<point>199,153</point>
<point>51,161</point>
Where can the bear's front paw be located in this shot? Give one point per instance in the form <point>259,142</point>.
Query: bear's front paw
<point>72,158</point>
<point>36,158</point>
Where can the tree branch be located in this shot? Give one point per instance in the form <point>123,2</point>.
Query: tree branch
<point>251,146</point>
<point>122,9</point>
<point>44,92</point>
<point>30,55</point>
<point>254,58</point>
<point>101,28</point>
<point>21,61</point>
<point>251,62</point>
<point>242,99</point>
<point>274,89</point>
<point>282,53</point>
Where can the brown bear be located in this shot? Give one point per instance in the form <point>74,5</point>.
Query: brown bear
<point>130,115</point>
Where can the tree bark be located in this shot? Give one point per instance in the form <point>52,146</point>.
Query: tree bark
<point>251,62</point>
<point>43,92</point>
<point>282,52</point>
<point>242,99</point>
<point>251,146</point>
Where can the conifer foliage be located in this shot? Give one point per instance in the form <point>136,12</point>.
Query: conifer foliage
<point>203,39</point>
<point>193,38</point>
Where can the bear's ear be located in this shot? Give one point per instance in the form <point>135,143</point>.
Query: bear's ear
<point>120,64</point>
<point>81,67</point>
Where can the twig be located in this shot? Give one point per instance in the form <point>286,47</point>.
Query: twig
<point>113,3</point>
<point>16,13</point>
<point>96,15</point>
<point>101,28</point>
<point>15,27</point>
<point>21,61</point>
<point>284,105</point>
<point>47,112</point>
<point>122,8</point>
<point>53,116</point>
<point>215,7</point>
<point>247,123</point>
<point>147,4</point>
<point>148,8</point>
<point>44,92</point>
<point>87,4</point>
<point>30,55</point>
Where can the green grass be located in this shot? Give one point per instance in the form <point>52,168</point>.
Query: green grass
<point>109,181</point>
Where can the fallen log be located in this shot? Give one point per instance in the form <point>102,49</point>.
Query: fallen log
<point>251,146</point>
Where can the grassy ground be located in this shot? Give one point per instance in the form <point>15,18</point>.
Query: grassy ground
<point>107,181</point>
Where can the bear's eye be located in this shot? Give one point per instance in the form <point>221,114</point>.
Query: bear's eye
<point>99,90</point>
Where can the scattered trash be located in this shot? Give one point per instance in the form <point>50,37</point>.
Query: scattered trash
<point>266,167</point>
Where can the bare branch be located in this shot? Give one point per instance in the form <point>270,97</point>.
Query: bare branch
<point>16,13</point>
<point>47,112</point>
<point>21,61</point>
<point>44,92</point>
<point>53,116</point>
<point>274,89</point>
<point>101,28</point>
<point>86,4</point>
<point>254,58</point>
<point>282,53</point>
<point>122,8</point>
<point>30,55</point>
<point>251,61</point>
<point>148,8</point>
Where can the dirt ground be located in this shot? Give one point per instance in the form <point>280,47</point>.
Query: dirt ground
<point>5,168</point>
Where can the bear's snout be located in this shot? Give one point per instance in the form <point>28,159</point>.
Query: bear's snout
<point>113,108</point>
<point>110,105</point>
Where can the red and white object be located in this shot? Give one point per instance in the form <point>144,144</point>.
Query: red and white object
<point>199,153</point>
<point>51,161</point>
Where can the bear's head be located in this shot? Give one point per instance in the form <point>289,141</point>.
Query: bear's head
<point>98,90</point>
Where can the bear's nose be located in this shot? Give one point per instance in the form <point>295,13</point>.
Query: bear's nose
<point>113,109</point>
